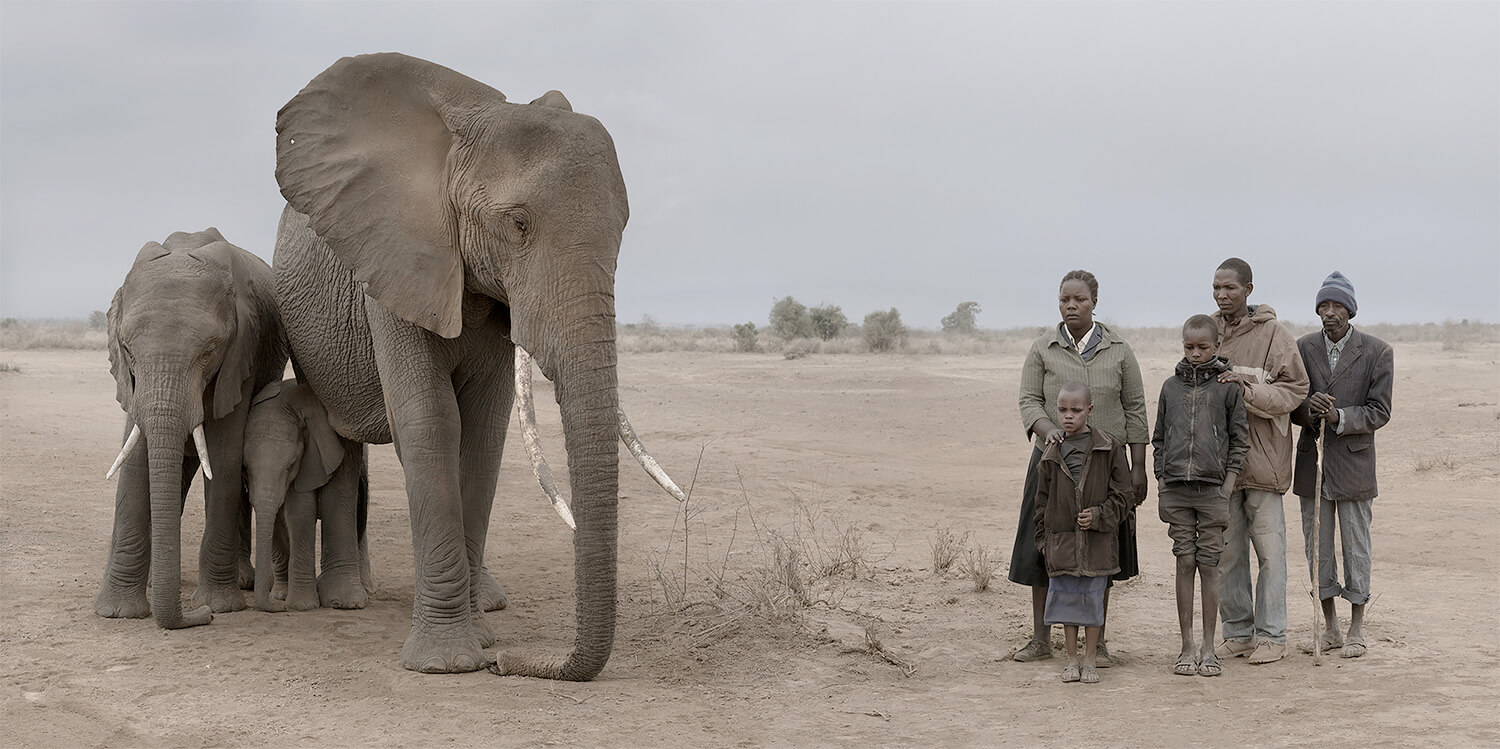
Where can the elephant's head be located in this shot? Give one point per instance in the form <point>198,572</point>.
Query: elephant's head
<point>182,333</point>
<point>289,447</point>
<point>431,187</point>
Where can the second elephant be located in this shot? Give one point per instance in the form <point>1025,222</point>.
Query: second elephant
<point>299,470</point>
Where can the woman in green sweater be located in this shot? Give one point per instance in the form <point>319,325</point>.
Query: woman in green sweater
<point>1086,351</point>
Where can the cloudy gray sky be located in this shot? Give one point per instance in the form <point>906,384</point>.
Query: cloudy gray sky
<point>869,155</point>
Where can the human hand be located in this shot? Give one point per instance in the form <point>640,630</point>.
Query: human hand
<point>1054,437</point>
<point>1138,483</point>
<point>1086,519</point>
<point>1234,377</point>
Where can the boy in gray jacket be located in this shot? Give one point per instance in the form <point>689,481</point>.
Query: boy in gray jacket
<point>1199,448</point>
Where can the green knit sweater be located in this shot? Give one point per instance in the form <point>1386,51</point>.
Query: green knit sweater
<point>1113,375</point>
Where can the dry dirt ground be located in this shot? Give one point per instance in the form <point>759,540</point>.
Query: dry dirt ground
<point>853,461</point>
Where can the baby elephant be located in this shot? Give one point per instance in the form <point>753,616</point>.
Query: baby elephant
<point>299,470</point>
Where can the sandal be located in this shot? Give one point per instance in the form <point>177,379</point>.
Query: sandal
<point>1088,675</point>
<point>1186,666</point>
<point>1071,674</point>
<point>1330,641</point>
<point>1210,666</point>
<point>1354,648</point>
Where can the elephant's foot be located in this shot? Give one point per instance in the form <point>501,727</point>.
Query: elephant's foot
<point>483,631</point>
<point>342,591</point>
<point>443,649</point>
<point>300,599</point>
<point>219,598</point>
<point>491,596</point>
<point>246,574</point>
<point>278,591</point>
<point>120,603</point>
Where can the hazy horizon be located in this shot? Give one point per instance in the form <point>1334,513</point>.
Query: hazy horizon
<point>866,155</point>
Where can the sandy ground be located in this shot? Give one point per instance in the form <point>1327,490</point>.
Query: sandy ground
<point>879,451</point>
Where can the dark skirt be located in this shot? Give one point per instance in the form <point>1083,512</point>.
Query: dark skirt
<point>1026,564</point>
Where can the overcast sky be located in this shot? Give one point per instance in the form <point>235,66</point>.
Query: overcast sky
<point>868,155</point>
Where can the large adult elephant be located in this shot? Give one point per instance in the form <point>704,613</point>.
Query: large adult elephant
<point>194,333</point>
<point>431,228</point>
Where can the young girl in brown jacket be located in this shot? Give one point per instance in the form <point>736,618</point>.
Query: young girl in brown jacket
<point>1083,491</point>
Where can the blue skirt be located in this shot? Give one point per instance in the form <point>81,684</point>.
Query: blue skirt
<point>1074,600</point>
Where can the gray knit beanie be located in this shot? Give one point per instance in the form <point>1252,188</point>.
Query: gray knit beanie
<point>1337,288</point>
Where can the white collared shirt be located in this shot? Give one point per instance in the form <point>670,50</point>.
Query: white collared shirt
<point>1081,345</point>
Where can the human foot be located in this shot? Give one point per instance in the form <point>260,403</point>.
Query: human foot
<point>1036,650</point>
<point>1210,666</point>
<point>1186,665</point>
<point>1088,675</point>
<point>1330,640</point>
<point>1071,673</point>
<point>1354,647</point>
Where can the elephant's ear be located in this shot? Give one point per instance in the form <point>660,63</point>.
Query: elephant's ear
<point>239,358</point>
<point>124,380</point>
<point>266,393</point>
<point>322,450</point>
<point>363,151</point>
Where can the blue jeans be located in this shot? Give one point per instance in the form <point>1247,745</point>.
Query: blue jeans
<point>1354,534</point>
<point>1256,518</point>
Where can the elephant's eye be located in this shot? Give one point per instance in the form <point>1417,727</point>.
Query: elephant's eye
<point>519,222</point>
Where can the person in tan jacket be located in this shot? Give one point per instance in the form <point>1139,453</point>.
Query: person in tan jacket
<point>1267,366</point>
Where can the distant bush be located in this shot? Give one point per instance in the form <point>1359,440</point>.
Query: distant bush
<point>745,336</point>
<point>50,334</point>
<point>828,321</point>
<point>884,331</point>
<point>962,322</point>
<point>790,319</point>
<point>98,320</point>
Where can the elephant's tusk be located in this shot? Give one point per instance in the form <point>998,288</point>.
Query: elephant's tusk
<point>135,436</point>
<point>202,445</point>
<point>527,413</point>
<point>654,469</point>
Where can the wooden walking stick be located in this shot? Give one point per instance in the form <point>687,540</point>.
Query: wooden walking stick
<point>1316,547</point>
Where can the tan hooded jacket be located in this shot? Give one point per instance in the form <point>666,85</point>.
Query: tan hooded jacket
<point>1260,349</point>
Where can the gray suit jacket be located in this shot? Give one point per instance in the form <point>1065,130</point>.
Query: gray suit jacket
<point>1362,388</point>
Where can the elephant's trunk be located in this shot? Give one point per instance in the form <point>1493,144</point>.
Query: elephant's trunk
<point>166,434</point>
<point>587,396</point>
<point>265,532</point>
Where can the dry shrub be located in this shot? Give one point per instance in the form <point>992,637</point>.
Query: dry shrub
<point>1428,462</point>
<point>946,549</point>
<point>9,367</point>
<point>979,565</point>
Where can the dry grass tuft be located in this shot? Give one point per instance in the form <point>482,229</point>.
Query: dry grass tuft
<point>946,549</point>
<point>1429,462</point>
<point>9,367</point>
<point>979,565</point>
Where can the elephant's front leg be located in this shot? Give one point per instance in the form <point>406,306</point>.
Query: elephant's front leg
<point>301,513</point>
<point>484,399</point>
<point>340,585</point>
<point>219,555</point>
<point>424,417</point>
<point>122,593</point>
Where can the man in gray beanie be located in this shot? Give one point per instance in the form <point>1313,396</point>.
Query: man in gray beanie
<point>1350,374</point>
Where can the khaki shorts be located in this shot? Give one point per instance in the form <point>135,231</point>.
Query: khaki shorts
<point>1196,515</point>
